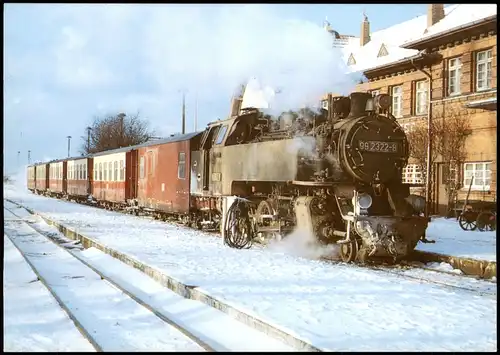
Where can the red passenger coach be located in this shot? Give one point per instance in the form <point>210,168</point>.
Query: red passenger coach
<point>109,185</point>
<point>164,173</point>
<point>42,177</point>
<point>57,177</point>
<point>31,177</point>
<point>79,177</point>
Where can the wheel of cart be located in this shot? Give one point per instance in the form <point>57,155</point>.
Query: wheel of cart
<point>487,217</point>
<point>467,219</point>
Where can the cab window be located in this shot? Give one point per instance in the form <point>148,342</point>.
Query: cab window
<point>221,135</point>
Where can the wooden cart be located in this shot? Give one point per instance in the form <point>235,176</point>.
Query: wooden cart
<point>478,214</point>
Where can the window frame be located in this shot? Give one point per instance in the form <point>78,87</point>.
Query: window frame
<point>181,166</point>
<point>400,103</point>
<point>485,62</point>
<point>486,175</point>
<point>418,93</point>
<point>412,174</point>
<point>455,68</point>
<point>142,167</point>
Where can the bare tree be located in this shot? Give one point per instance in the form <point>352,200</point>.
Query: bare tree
<point>453,130</point>
<point>115,131</point>
<point>418,138</point>
<point>449,133</point>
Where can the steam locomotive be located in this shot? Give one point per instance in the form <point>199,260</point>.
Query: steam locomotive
<point>336,176</point>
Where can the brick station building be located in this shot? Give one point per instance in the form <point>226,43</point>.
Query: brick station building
<point>456,46</point>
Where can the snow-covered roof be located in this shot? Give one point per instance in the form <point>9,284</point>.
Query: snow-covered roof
<point>395,37</point>
<point>456,17</point>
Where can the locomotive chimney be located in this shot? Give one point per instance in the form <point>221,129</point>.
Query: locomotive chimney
<point>435,13</point>
<point>365,31</point>
<point>358,103</point>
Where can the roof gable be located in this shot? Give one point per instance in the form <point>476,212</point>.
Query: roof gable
<point>351,60</point>
<point>382,51</point>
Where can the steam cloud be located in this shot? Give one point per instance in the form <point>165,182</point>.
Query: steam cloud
<point>303,243</point>
<point>223,47</point>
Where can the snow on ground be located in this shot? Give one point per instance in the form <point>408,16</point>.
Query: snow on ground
<point>335,307</point>
<point>453,240</point>
<point>33,320</point>
<point>116,322</point>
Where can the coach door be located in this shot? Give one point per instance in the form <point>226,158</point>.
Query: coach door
<point>131,174</point>
<point>206,145</point>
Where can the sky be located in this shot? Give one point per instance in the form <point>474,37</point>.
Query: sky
<point>67,63</point>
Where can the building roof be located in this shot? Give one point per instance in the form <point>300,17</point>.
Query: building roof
<point>394,38</point>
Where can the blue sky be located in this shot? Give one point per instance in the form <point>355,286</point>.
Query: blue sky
<point>64,64</point>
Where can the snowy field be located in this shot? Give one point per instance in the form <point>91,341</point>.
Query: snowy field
<point>334,307</point>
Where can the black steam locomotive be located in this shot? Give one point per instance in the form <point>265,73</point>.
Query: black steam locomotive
<point>337,176</point>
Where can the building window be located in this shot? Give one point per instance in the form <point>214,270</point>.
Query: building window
<point>115,168</point>
<point>375,93</point>
<point>181,167</point>
<point>483,70</point>
<point>421,97</point>
<point>324,104</point>
<point>412,174</point>
<point>141,168</point>
<point>481,173</point>
<point>122,171</point>
<point>454,74</point>
<point>397,101</point>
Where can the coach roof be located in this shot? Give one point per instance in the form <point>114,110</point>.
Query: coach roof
<point>176,138</point>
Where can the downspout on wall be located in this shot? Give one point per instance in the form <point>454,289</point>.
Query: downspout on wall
<point>429,142</point>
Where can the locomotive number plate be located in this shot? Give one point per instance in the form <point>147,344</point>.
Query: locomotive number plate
<point>378,146</point>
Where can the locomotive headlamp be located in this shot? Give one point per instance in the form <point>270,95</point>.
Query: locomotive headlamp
<point>364,201</point>
<point>382,101</point>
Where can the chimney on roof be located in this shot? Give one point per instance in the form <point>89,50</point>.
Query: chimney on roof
<point>365,31</point>
<point>435,13</point>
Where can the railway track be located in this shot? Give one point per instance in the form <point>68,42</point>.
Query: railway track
<point>200,334</point>
<point>196,342</point>
<point>415,272</point>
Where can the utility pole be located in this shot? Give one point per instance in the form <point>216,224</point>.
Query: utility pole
<point>29,156</point>
<point>183,112</point>
<point>88,139</point>
<point>69,145</point>
<point>122,129</point>
<point>196,112</point>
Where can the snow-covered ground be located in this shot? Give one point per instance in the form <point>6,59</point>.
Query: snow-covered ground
<point>334,307</point>
<point>114,320</point>
<point>33,320</point>
<point>213,327</point>
<point>453,240</point>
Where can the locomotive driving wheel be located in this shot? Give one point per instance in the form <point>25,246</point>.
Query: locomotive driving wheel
<point>349,251</point>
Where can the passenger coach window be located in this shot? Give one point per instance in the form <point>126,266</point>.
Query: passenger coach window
<point>106,171</point>
<point>142,167</point>
<point>100,171</point>
<point>115,177</point>
<point>122,171</point>
<point>220,136</point>
<point>95,171</point>
<point>181,168</point>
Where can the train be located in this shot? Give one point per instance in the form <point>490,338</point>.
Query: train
<point>336,175</point>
